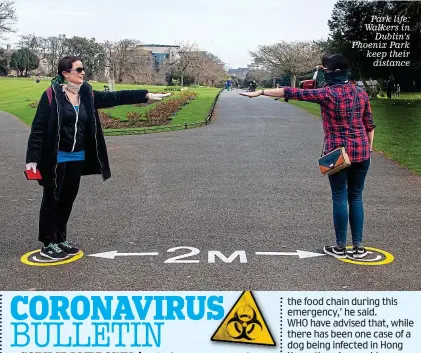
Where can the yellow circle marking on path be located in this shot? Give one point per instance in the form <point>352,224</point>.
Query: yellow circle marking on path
<point>25,259</point>
<point>388,258</point>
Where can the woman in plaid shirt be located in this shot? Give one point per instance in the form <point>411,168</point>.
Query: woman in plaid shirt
<point>336,101</point>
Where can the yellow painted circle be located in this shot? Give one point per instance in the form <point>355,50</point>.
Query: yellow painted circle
<point>25,259</point>
<point>388,258</point>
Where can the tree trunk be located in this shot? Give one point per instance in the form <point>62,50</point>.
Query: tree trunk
<point>293,79</point>
<point>274,82</point>
<point>182,79</point>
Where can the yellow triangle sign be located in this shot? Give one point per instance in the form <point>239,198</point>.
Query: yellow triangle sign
<point>244,324</point>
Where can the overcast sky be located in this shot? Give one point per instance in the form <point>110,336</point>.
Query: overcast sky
<point>227,28</point>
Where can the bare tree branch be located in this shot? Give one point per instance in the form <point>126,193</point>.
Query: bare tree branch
<point>186,58</point>
<point>126,59</point>
<point>292,58</point>
<point>7,17</point>
<point>207,68</point>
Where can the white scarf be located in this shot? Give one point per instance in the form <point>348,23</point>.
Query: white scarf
<point>72,87</point>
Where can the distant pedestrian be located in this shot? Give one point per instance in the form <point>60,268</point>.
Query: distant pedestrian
<point>390,86</point>
<point>397,90</point>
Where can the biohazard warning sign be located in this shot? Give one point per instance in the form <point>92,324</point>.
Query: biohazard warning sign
<point>244,324</point>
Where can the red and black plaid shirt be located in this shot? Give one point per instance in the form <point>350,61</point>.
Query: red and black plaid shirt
<point>336,103</point>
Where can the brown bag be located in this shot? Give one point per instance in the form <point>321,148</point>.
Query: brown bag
<point>334,161</point>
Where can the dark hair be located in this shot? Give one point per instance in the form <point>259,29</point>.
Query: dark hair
<point>335,62</point>
<point>66,64</point>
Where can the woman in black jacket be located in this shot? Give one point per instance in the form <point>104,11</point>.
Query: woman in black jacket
<point>66,142</point>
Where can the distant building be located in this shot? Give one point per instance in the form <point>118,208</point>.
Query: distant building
<point>8,54</point>
<point>241,72</point>
<point>160,52</point>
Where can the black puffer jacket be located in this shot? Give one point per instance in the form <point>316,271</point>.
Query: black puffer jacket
<point>48,122</point>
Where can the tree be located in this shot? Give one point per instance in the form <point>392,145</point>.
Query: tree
<point>214,72</point>
<point>348,24</point>
<point>3,63</point>
<point>186,59</point>
<point>412,10</point>
<point>292,58</point>
<point>51,50</point>
<point>40,47</point>
<point>30,41</point>
<point>203,60</point>
<point>7,17</point>
<point>126,60</point>
<point>208,68</point>
<point>258,75</point>
<point>91,52</point>
<point>23,60</point>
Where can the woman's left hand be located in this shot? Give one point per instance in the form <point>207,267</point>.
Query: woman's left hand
<point>157,96</point>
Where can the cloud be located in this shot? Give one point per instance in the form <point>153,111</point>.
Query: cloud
<point>31,13</point>
<point>65,12</point>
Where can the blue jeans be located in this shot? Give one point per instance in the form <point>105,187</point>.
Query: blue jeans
<point>347,186</point>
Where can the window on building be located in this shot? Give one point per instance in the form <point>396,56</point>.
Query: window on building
<point>159,59</point>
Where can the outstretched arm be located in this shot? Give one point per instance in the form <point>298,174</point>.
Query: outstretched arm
<point>125,97</point>
<point>318,95</point>
<point>274,92</point>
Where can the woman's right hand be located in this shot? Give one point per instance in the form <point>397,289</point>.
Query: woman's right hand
<point>157,96</point>
<point>32,166</point>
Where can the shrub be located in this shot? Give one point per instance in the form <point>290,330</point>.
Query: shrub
<point>164,110</point>
<point>161,114</point>
<point>172,88</point>
<point>133,118</point>
<point>133,115</point>
<point>107,121</point>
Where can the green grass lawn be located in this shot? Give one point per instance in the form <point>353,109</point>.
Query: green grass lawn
<point>17,93</point>
<point>398,128</point>
<point>403,95</point>
<point>193,113</point>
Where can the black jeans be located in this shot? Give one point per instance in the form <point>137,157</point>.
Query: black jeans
<point>55,213</point>
<point>347,187</point>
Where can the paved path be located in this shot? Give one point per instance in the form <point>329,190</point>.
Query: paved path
<point>247,182</point>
